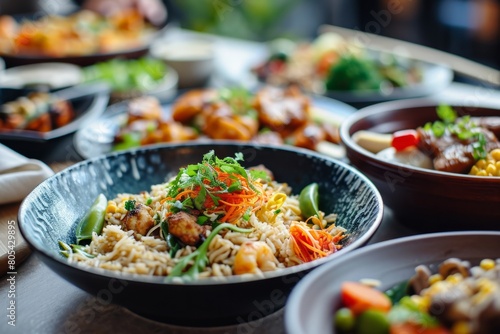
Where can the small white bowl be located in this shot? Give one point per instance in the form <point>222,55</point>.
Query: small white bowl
<point>193,59</point>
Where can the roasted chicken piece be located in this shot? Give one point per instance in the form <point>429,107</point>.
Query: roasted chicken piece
<point>307,136</point>
<point>282,110</point>
<point>190,104</point>
<point>184,226</point>
<point>219,122</point>
<point>146,124</point>
<point>38,111</point>
<point>144,108</point>
<point>139,219</point>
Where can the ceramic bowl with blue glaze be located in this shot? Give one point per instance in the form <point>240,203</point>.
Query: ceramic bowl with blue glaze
<point>51,212</point>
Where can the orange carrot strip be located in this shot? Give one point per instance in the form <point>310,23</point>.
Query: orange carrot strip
<point>359,298</point>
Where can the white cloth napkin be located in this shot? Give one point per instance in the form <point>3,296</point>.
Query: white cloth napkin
<point>19,175</point>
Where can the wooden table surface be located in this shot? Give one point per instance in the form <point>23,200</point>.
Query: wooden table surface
<point>46,303</point>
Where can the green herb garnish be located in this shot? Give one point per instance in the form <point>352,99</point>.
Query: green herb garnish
<point>130,205</point>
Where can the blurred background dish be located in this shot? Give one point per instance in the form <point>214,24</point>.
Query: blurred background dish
<point>424,198</point>
<point>193,59</point>
<point>219,300</point>
<point>131,78</point>
<point>50,76</point>
<point>313,302</point>
<point>40,116</point>
<point>81,37</point>
<point>349,71</point>
<point>314,121</point>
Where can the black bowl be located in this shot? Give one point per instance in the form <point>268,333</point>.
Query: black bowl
<point>50,213</point>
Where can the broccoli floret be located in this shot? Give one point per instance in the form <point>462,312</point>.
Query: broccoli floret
<point>354,73</point>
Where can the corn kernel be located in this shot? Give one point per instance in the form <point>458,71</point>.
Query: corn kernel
<point>491,169</point>
<point>482,172</point>
<point>435,278</point>
<point>487,264</point>
<point>495,154</point>
<point>111,208</point>
<point>454,279</point>
<point>474,170</point>
<point>481,164</point>
<point>437,287</point>
<point>461,327</point>
<point>422,302</point>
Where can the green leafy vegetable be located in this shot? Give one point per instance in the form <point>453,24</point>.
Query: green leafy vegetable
<point>130,205</point>
<point>66,249</point>
<point>354,73</point>
<point>464,128</point>
<point>407,311</point>
<point>127,74</point>
<point>397,292</point>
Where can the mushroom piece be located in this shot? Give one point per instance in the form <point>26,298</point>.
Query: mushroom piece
<point>453,266</point>
<point>420,280</point>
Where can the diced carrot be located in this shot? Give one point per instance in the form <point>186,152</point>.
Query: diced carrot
<point>359,298</point>
<point>409,328</point>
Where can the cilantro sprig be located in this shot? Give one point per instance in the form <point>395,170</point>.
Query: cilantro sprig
<point>204,177</point>
<point>464,128</point>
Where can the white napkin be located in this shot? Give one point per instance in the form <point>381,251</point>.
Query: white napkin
<point>19,175</point>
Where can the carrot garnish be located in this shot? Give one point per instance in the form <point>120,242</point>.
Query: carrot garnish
<point>220,187</point>
<point>310,244</point>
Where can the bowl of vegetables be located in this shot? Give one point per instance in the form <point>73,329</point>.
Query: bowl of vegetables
<point>129,78</point>
<point>434,162</point>
<point>432,283</point>
<point>199,234</point>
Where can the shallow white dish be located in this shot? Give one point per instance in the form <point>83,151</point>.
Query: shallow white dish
<point>311,305</point>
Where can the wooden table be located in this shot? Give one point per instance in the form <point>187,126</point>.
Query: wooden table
<point>45,303</point>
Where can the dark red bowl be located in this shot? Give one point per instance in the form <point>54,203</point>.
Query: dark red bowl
<point>426,199</point>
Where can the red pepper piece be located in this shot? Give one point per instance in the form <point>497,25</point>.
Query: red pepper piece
<point>403,139</point>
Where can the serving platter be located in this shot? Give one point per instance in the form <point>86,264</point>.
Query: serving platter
<point>96,137</point>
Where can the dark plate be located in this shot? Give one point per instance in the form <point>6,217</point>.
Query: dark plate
<point>50,213</point>
<point>97,137</point>
<point>88,103</point>
<point>313,302</point>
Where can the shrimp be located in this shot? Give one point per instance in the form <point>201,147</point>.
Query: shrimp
<point>254,257</point>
